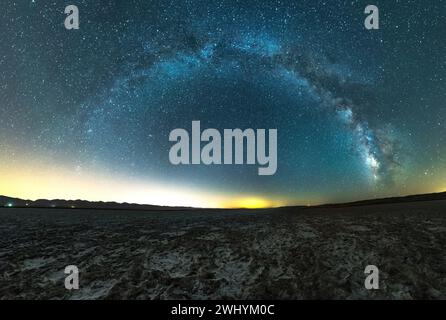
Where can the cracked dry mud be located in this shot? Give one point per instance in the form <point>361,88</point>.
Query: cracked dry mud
<point>288,253</point>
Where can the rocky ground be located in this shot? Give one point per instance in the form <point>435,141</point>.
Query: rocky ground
<point>294,253</point>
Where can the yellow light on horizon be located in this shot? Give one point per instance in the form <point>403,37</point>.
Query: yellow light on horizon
<point>40,182</point>
<point>43,179</point>
<point>249,203</point>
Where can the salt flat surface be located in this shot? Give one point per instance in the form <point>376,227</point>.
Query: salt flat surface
<point>290,253</point>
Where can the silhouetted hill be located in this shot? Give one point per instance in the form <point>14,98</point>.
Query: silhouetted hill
<point>410,198</point>
<point>79,204</point>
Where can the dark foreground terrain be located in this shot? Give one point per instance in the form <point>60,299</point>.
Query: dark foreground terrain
<point>289,253</point>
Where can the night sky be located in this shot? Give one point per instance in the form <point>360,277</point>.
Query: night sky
<point>87,113</point>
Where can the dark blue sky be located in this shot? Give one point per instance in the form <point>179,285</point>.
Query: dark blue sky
<point>359,113</point>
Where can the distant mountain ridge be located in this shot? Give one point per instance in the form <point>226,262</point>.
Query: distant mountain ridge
<point>409,198</point>
<point>79,204</point>
<point>83,204</point>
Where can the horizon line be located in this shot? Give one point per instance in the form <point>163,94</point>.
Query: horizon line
<point>365,201</point>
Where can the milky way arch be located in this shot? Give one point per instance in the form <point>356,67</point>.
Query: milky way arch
<point>131,100</point>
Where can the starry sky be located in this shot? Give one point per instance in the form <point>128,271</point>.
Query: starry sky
<point>87,113</point>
